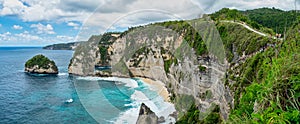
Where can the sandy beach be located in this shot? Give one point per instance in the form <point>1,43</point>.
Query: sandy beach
<point>159,87</point>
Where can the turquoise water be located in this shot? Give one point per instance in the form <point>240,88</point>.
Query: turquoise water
<point>42,99</point>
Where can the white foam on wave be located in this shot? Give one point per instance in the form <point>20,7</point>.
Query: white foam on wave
<point>157,105</point>
<point>62,74</point>
<point>127,81</point>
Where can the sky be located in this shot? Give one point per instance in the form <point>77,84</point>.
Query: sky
<point>41,22</point>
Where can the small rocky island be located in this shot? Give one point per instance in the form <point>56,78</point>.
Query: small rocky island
<point>40,64</point>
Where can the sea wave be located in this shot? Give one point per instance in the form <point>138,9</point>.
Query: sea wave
<point>141,95</point>
<point>157,105</point>
<point>62,74</point>
<point>127,81</point>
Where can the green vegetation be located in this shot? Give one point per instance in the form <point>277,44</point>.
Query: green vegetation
<point>168,63</point>
<point>183,103</point>
<point>202,68</point>
<point>235,15</point>
<point>192,116</point>
<point>191,36</point>
<point>136,56</point>
<point>261,19</point>
<point>238,39</point>
<point>267,89</point>
<point>228,14</point>
<point>103,54</point>
<point>275,19</point>
<point>41,61</point>
<point>106,40</point>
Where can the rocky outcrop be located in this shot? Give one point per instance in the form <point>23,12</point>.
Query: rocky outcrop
<point>146,116</point>
<point>40,64</point>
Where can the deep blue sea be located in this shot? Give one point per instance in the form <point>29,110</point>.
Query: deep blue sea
<point>33,99</point>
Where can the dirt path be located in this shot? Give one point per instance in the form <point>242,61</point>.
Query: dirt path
<point>248,27</point>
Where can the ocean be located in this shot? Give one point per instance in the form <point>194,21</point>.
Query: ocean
<point>33,99</point>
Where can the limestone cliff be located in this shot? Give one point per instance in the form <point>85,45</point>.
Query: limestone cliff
<point>85,57</point>
<point>172,52</point>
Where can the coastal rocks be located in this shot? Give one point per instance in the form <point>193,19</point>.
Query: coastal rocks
<point>85,56</point>
<point>146,116</point>
<point>40,64</point>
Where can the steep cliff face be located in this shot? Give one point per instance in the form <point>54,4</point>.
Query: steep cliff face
<point>172,52</point>
<point>85,57</point>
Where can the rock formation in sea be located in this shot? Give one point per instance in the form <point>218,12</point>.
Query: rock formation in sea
<point>146,116</point>
<point>40,64</point>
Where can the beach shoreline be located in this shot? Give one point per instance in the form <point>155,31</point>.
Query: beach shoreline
<point>159,87</point>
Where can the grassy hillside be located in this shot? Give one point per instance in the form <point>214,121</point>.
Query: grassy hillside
<point>237,38</point>
<point>262,19</point>
<point>267,86</point>
<point>273,18</point>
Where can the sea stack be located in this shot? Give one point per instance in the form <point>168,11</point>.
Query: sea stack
<point>146,116</point>
<point>40,64</point>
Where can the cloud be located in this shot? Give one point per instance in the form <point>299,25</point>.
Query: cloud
<point>20,37</point>
<point>64,38</point>
<point>79,5</point>
<point>31,38</point>
<point>17,27</point>
<point>77,10</point>
<point>43,29</point>
<point>0,25</point>
<point>74,25</point>
<point>98,16</point>
<point>138,12</point>
<point>12,7</point>
<point>5,36</point>
<point>27,37</point>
